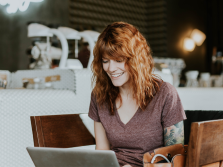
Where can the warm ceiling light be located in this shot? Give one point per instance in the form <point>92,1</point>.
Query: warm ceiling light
<point>189,44</point>
<point>198,36</point>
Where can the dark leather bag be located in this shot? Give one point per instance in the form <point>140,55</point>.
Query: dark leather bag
<point>176,154</point>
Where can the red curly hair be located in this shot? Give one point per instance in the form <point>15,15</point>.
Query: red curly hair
<point>122,41</point>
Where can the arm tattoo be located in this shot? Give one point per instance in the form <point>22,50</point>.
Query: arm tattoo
<point>174,134</point>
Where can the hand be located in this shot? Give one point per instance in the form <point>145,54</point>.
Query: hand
<point>127,165</point>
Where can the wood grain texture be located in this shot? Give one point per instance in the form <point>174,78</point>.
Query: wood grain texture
<point>38,126</point>
<point>221,164</point>
<point>216,164</point>
<point>60,131</point>
<point>212,142</point>
<point>205,143</point>
<point>35,139</point>
<point>191,158</point>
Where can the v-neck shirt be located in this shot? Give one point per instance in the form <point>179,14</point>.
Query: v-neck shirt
<point>119,119</point>
<point>144,131</point>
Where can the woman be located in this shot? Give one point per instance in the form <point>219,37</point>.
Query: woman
<point>134,111</point>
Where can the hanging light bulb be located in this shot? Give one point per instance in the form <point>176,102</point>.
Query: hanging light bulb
<point>189,44</point>
<point>198,36</point>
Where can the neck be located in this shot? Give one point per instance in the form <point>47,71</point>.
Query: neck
<point>126,91</point>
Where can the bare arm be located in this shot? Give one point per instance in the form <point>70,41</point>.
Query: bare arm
<point>174,134</point>
<point>102,142</point>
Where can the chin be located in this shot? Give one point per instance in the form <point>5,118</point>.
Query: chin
<point>118,84</point>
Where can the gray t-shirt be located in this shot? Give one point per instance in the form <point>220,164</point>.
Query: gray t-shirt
<point>144,132</point>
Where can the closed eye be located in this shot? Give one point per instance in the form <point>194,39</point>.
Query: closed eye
<point>104,61</point>
<point>119,61</point>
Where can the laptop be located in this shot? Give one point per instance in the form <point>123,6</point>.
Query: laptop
<point>64,157</point>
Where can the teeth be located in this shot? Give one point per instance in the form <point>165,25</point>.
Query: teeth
<point>117,75</point>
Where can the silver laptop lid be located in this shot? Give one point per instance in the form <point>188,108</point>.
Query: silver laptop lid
<point>63,157</point>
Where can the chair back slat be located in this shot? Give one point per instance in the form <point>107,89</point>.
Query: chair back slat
<point>205,143</point>
<point>60,131</point>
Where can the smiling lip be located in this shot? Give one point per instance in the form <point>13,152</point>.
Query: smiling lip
<point>116,76</point>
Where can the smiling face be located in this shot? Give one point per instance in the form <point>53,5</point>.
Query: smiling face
<point>117,71</point>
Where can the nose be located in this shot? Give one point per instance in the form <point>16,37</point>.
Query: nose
<point>112,66</point>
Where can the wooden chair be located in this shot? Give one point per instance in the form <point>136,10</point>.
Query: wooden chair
<point>205,146</point>
<point>60,131</point>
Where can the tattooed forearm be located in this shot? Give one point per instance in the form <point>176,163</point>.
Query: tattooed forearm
<point>174,134</point>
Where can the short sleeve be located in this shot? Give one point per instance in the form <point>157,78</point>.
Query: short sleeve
<point>173,111</point>
<point>93,109</point>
